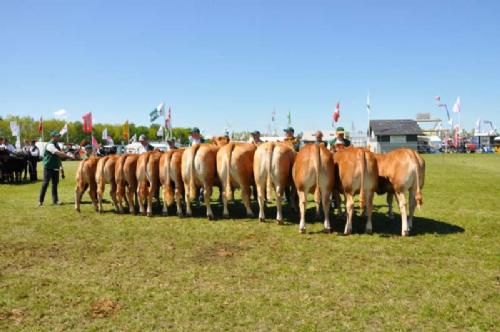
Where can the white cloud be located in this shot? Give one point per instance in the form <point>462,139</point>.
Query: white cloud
<point>62,113</point>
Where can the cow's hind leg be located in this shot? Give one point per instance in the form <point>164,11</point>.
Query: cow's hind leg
<point>93,195</point>
<point>302,207</point>
<point>207,193</point>
<point>412,205</point>
<point>261,197</point>
<point>325,201</point>
<point>405,231</point>
<point>390,198</point>
<point>349,205</point>
<point>369,212</point>
<point>245,197</point>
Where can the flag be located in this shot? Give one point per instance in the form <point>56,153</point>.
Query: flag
<point>110,141</point>
<point>95,144</point>
<point>437,99</point>
<point>478,126</point>
<point>157,112</point>
<point>105,133</point>
<point>368,107</point>
<point>126,131</point>
<point>273,116</point>
<point>87,122</point>
<point>64,129</point>
<point>336,114</point>
<point>14,128</point>
<point>159,133</point>
<point>289,117</point>
<point>168,119</point>
<point>133,139</point>
<point>40,126</point>
<point>457,106</point>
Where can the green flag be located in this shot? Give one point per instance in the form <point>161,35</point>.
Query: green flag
<point>153,115</point>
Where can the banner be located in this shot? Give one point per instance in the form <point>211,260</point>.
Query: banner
<point>159,133</point>
<point>105,134</point>
<point>64,129</point>
<point>336,114</point>
<point>87,122</point>
<point>14,128</point>
<point>157,112</point>
<point>40,126</point>
<point>168,119</point>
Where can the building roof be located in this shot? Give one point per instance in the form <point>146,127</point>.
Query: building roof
<point>395,127</point>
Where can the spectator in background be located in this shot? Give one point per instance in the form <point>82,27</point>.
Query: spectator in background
<point>340,141</point>
<point>34,153</point>
<point>145,146</point>
<point>255,137</point>
<point>319,138</point>
<point>196,137</point>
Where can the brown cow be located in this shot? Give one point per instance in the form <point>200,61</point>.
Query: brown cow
<point>235,170</point>
<point>356,173</point>
<point>400,171</point>
<point>171,179</point>
<point>272,168</point>
<point>85,178</point>
<point>199,170</point>
<point>106,174</point>
<point>126,181</point>
<point>314,169</point>
<point>148,182</point>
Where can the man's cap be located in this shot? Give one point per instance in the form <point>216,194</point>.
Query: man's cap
<point>289,129</point>
<point>195,130</point>
<point>33,141</point>
<point>255,132</point>
<point>88,147</point>
<point>142,138</point>
<point>340,130</point>
<point>54,133</point>
<point>171,140</point>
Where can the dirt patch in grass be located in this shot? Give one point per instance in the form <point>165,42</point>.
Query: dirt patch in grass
<point>15,315</point>
<point>219,251</point>
<point>104,308</point>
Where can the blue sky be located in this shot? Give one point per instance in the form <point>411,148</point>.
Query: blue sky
<point>220,63</point>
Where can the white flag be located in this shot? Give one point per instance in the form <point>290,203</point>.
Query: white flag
<point>14,128</point>
<point>64,130</point>
<point>478,126</point>
<point>457,106</point>
<point>133,139</point>
<point>161,109</point>
<point>105,134</point>
<point>159,133</point>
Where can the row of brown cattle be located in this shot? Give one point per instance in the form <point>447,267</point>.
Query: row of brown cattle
<point>271,166</point>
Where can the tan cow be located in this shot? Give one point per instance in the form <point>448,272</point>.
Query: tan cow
<point>313,168</point>
<point>148,182</point>
<point>272,169</point>
<point>85,178</point>
<point>106,174</point>
<point>171,179</point>
<point>126,181</point>
<point>199,170</point>
<point>235,170</point>
<point>356,173</point>
<point>400,171</point>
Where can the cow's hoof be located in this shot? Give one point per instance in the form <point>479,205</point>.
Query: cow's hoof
<point>347,232</point>
<point>262,219</point>
<point>180,215</point>
<point>189,215</point>
<point>302,231</point>
<point>369,231</point>
<point>77,210</point>
<point>225,216</point>
<point>327,230</point>
<point>149,214</point>
<point>405,233</point>
<point>210,217</point>
<point>279,222</point>
<point>164,213</point>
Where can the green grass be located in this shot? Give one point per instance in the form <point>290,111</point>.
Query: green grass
<point>60,270</point>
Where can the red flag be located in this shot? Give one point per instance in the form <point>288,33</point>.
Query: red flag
<point>336,114</point>
<point>95,144</point>
<point>168,119</point>
<point>87,122</point>
<point>40,125</point>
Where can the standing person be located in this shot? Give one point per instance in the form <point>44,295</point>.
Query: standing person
<point>87,152</point>
<point>196,137</point>
<point>34,154</point>
<point>255,138</point>
<point>340,141</point>
<point>51,166</point>
<point>10,147</point>
<point>319,138</point>
<point>290,138</point>
<point>145,146</point>
<point>171,144</point>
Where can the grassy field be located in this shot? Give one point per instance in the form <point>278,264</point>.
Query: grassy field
<point>60,270</point>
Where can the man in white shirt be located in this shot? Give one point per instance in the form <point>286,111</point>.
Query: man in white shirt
<point>145,146</point>
<point>196,136</point>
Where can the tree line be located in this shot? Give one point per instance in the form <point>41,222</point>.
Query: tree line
<point>29,130</point>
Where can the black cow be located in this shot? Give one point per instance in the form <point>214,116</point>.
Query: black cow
<point>12,166</point>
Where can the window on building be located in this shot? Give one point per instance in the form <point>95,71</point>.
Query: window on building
<point>383,138</point>
<point>411,138</point>
<point>398,139</point>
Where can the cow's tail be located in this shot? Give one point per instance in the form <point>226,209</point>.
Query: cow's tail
<point>228,189</point>
<point>362,194</point>
<point>317,165</point>
<point>101,171</point>
<point>120,174</point>
<point>418,194</point>
<point>192,185</point>
<point>146,163</point>
<point>168,183</point>
<point>269,169</point>
<point>79,174</point>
